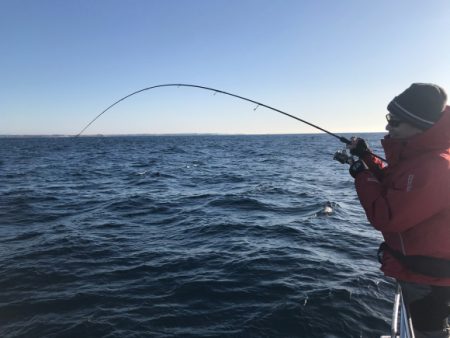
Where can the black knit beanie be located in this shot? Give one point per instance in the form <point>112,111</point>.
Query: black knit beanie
<point>421,105</point>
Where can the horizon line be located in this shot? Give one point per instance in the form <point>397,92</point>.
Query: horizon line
<point>178,134</point>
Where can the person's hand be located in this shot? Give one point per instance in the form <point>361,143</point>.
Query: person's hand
<point>358,147</point>
<point>357,167</point>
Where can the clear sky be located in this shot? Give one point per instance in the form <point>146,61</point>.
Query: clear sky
<point>334,63</point>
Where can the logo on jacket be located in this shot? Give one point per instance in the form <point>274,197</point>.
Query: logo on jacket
<point>410,182</point>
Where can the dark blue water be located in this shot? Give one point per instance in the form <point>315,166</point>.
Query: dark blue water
<point>185,236</point>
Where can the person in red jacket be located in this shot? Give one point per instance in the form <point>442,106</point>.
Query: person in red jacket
<point>409,202</point>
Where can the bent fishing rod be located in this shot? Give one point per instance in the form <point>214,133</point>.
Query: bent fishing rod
<point>258,104</point>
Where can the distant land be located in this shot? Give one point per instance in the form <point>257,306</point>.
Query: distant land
<point>175,134</point>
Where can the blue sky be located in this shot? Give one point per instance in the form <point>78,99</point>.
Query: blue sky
<point>334,63</point>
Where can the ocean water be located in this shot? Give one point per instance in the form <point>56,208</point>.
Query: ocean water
<point>185,236</point>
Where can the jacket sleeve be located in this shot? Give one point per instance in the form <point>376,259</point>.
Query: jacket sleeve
<point>416,196</point>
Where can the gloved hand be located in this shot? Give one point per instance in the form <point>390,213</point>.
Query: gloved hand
<point>358,147</point>
<point>357,167</point>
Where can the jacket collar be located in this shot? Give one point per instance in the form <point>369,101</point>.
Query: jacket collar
<point>435,138</point>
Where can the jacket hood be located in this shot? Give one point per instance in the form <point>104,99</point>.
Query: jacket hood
<point>435,138</point>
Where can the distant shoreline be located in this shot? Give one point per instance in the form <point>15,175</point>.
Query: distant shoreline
<point>175,134</point>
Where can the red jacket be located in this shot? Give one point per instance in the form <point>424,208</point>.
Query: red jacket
<point>409,200</point>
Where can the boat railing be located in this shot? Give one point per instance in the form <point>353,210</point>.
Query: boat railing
<point>401,325</point>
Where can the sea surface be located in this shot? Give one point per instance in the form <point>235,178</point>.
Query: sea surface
<point>186,236</point>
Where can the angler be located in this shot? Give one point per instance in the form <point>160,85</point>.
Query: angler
<point>409,202</point>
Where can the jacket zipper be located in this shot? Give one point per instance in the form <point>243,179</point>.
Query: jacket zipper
<point>402,244</point>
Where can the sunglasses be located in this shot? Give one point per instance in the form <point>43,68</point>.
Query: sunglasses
<point>392,121</point>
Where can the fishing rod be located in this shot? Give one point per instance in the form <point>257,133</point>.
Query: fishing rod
<point>259,104</point>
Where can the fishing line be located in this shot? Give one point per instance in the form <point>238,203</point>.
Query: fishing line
<point>258,104</point>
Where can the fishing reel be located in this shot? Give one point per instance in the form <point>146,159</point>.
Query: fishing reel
<point>343,157</point>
